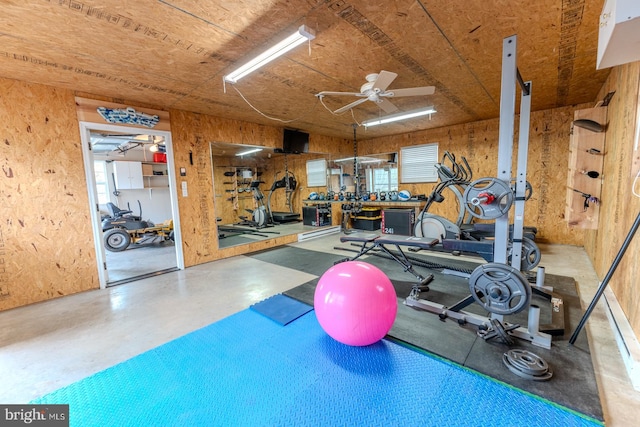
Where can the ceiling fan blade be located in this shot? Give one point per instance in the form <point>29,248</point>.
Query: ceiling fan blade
<point>325,93</point>
<point>410,91</point>
<point>350,106</point>
<point>384,80</point>
<point>387,105</point>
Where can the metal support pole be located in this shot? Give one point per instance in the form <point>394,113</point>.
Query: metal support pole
<point>356,178</point>
<point>521,177</point>
<point>505,140</point>
<point>606,280</point>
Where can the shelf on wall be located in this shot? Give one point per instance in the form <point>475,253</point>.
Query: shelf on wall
<point>587,148</point>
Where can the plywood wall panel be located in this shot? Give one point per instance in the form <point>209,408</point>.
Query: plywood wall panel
<point>46,244</point>
<point>189,133</point>
<point>619,206</point>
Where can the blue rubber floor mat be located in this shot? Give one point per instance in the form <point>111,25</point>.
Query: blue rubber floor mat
<point>247,370</point>
<point>281,309</point>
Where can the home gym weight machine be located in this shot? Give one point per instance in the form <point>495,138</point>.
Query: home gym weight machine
<point>501,289</point>
<point>496,285</point>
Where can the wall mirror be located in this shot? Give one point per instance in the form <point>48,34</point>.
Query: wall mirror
<point>255,190</point>
<point>375,173</point>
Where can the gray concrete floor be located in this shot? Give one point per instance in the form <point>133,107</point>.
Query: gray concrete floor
<point>51,344</point>
<point>137,261</point>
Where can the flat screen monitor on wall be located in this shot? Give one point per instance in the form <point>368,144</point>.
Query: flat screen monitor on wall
<point>295,142</point>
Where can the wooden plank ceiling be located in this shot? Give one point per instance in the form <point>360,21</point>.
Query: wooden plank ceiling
<point>174,54</point>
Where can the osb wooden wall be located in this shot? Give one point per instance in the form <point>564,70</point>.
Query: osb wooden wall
<point>619,206</point>
<point>478,142</point>
<point>46,240</point>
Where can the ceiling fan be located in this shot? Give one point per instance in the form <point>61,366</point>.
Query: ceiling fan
<point>375,90</point>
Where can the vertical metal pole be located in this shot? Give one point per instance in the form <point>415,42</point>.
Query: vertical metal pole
<point>356,178</point>
<point>505,140</point>
<point>607,278</point>
<point>521,177</point>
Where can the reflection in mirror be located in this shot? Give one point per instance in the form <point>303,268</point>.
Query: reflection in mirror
<point>334,177</point>
<point>255,193</point>
<point>375,173</point>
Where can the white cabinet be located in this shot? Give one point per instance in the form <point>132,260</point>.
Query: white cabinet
<point>128,175</point>
<point>619,33</point>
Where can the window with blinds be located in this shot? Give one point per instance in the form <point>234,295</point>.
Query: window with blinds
<point>417,163</point>
<point>317,173</point>
<point>102,183</point>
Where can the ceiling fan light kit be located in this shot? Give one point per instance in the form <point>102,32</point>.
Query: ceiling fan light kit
<point>302,35</point>
<point>399,116</point>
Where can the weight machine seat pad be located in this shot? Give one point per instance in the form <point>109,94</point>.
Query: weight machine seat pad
<point>359,238</point>
<point>418,242</point>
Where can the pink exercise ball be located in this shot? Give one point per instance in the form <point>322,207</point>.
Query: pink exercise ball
<point>355,303</point>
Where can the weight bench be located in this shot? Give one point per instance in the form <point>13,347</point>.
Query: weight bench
<point>490,326</point>
<point>370,241</point>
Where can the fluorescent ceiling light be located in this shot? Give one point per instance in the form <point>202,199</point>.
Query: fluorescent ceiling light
<point>253,150</point>
<point>303,34</point>
<point>360,159</point>
<point>399,116</point>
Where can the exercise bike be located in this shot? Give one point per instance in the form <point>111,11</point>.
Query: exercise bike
<point>260,217</point>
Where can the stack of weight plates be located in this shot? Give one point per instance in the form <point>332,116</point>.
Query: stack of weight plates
<point>527,365</point>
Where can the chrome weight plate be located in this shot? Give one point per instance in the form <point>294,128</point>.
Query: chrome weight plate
<point>500,288</point>
<point>488,198</point>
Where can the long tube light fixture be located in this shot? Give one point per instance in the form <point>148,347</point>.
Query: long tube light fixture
<point>303,34</point>
<point>399,116</point>
<point>250,151</point>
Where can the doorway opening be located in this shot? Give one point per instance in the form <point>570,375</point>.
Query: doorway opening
<point>134,210</point>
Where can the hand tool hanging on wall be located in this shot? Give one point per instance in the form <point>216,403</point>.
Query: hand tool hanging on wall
<point>588,198</point>
<point>591,174</point>
<point>591,125</point>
